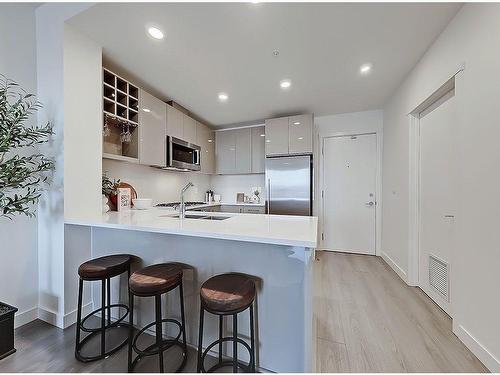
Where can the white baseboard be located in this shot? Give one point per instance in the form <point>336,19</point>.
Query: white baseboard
<point>399,271</point>
<point>50,317</point>
<point>483,354</point>
<point>25,317</point>
<point>70,318</point>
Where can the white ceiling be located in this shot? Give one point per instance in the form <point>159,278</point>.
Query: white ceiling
<point>214,47</point>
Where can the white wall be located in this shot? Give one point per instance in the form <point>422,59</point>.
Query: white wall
<point>472,37</point>
<point>160,185</point>
<point>50,19</point>
<point>347,124</point>
<point>19,265</point>
<point>82,125</point>
<point>228,185</point>
<point>82,155</point>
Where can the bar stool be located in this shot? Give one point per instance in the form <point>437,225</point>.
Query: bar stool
<point>154,281</point>
<point>101,269</point>
<point>227,294</point>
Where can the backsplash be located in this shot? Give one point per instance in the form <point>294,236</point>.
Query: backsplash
<point>228,185</point>
<point>164,186</point>
<point>160,185</point>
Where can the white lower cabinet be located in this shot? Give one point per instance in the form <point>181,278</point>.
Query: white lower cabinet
<point>234,209</point>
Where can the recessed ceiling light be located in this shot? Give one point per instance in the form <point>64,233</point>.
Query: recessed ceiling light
<point>155,32</point>
<point>210,141</point>
<point>300,138</point>
<point>285,84</point>
<point>262,135</point>
<point>223,96</point>
<point>296,123</point>
<point>147,110</point>
<point>365,68</point>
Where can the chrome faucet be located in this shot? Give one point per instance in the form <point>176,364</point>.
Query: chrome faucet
<point>182,206</point>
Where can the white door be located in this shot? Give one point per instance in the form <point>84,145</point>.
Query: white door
<point>437,199</point>
<point>349,180</point>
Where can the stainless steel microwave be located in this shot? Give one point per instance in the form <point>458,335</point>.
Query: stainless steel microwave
<point>182,155</point>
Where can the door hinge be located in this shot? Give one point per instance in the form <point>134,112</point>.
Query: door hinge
<point>323,150</point>
<point>322,236</point>
<point>322,194</point>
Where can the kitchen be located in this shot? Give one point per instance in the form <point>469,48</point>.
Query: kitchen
<point>216,200</point>
<point>232,190</point>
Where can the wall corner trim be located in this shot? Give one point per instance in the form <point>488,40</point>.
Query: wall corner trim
<point>391,263</point>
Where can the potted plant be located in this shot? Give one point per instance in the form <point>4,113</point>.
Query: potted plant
<point>24,173</point>
<point>109,189</point>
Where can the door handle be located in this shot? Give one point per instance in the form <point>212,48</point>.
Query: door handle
<point>369,203</point>
<point>268,195</point>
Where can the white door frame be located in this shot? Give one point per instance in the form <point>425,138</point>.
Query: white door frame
<point>414,175</point>
<point>378,185</point>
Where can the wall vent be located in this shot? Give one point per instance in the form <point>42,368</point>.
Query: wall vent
<point>439,276</point>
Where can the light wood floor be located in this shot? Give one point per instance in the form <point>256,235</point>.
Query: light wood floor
<point>369,320</point>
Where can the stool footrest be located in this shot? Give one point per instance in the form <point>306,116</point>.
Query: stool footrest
<point>146,352</point>
<point>102,310</point>
<point>247,368</point>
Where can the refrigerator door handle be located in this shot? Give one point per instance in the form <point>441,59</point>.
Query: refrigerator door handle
<point>268,195</point>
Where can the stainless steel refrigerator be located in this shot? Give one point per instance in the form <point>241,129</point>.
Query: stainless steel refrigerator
<point>289,185</point>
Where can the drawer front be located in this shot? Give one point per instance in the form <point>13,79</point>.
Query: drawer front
<point>254,210</point>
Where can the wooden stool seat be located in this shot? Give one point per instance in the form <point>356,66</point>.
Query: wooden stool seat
<point>156,279</point>
<point>104,267</point>
<point>227,293</point>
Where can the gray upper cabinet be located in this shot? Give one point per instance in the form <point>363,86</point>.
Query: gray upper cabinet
<point>243,144</point>
<point>175,122</point>
<point>277,136</point>
<point>300,136</point>
<point>240,151</point>
<point>289,135</point>
<point>258,149</point>
<point>205,138</point>
<point>225,145</point>
<point>152,130</point>
<point>189,129</point>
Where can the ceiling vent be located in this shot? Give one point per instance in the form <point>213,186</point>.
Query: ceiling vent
<point>439,276</point>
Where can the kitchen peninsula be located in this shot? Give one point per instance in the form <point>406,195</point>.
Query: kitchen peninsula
<point>277,250</point>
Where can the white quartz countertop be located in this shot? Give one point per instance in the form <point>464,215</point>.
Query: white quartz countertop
<point>272,229</point>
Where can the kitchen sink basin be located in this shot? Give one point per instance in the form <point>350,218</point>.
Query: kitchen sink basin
<point>204,217</point>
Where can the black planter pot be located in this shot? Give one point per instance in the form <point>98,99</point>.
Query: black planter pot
<point>6,330</point>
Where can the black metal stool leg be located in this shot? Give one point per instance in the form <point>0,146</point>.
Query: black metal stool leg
<point>183,319</point>
<point>200,339</point>
<point>131,329</point>
<point>235,342</point>
<point>159,334</point>
<point>79,317</point>
<point>108,296</point>
<point>221,322</point>
<point>103,318</point>
<point>252,341</point>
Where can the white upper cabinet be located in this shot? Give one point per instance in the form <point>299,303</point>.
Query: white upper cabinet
<point>243,142</point>
<point>277,136</point>
<point>153,115</point>
<point>289,135</point>
<point>205,138</point>
<point>175,122</point>
<point>300,134</point>
<point>189,129</point>
<point>225,144</point>
<point>258,149</point>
